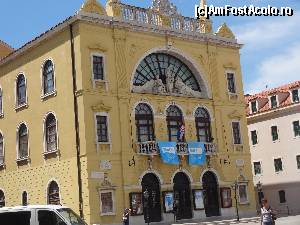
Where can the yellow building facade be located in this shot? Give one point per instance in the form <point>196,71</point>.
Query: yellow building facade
<point>85,105</point>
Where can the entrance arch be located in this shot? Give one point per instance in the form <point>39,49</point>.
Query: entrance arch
<point>182,196</point>
<point>152,207</point>
<point>211,194</point>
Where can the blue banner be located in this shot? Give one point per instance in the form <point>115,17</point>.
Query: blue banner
<point>197,154</point>
<point>168,152</point>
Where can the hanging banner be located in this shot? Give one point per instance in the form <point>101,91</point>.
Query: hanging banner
<point>197,153</point>
<point>168,152</point>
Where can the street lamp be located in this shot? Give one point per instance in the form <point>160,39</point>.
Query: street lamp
<point>146,197</point>
<point>259,192</point>
<point>235,187</point>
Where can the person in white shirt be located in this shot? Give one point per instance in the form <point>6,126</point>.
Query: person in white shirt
<point>267,213</point>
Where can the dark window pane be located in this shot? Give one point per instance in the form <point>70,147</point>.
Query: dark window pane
<point>203,127</point>
<point>53,194</point>
<point>254,107</point>
<point>298,161</point>
<point>98,67</point>
<point>273,101</point>
<point>254,137</point>
<point>230,83</point>
<point>1,150</point>
<point>296,128</point>
<point>24,198</point>
<point>21,90</point>
<point>278,165</point>
<point>236,133</point>
<point>1,109</point>
<point>175,123</point>
<point>15,218</point>
<point>46,217</point>
<point>48,77</point>
<point>51,135</point>
<point>257,168</point>
<point>23,142</point>
<point>2,199</point>
<point>102,130</point>
<point>144,123</point>
<point>274,132</point>
<point>295,95</point>
<point>282,196</point>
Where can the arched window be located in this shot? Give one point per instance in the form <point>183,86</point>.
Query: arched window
<point>144,123</point>
<point>175,124</point>
<point>2,199</point>
<point>24,198</point>
<point>1,102</point>
<point>22,142</point>
<point>48,77</point>
<point>53,194</point>
<point>203,127</point>
<point>50,133</point>
<point>21,90</point>
<point>1,150</point>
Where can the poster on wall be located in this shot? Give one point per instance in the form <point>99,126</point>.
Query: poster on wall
<point>198,199</point>
<point>168,201</point>
<point>226,197</point>
<point>136,203</point>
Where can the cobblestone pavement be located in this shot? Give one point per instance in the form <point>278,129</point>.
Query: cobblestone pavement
<point>289,220</point>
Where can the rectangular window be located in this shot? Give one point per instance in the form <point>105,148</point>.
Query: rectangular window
<point>231,83</point>
<point>298,161</point>
<point>102,130</point>
<point>106,202</point>
<point>282,198</point>
<point>273,102</point>
<point>278,165</point>
<point>274,133</point>
<point>296,127</point>
<point>254,137</point>
<point>226,197</point>
<point>236,133</point>
<point>257,168</point>
<point>295,95</point>
<point>243,195</point>
<point>98,67</point>
<point>254,107</point>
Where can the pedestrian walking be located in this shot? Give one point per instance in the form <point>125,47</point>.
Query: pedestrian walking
<point>126,217</point>
<point>268,215</point>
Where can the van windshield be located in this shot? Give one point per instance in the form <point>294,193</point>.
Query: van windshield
<point>71,217</point>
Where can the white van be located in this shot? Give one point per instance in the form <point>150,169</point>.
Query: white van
<point>39,215</point>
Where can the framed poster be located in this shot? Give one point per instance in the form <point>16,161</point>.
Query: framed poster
<point>168,201</point>
<point>226,197</point>
<point>198,199</point>
<point>136,203</point>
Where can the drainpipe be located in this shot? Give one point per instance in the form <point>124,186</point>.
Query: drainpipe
<point>76,122</point>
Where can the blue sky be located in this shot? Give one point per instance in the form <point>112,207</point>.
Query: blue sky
<point>271,55</point>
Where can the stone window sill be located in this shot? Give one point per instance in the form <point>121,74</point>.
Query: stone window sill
<point>52,152</point>
<point>21,107</point>
<point>48,95</point>
<point>23,160</point>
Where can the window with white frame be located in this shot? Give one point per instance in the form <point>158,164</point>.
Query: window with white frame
<point>1,150</point>
<point>257,168</point>
<point>107,206</point>
<point>278,165</point>
<point>21,97</point>
<point>254,137</point>
<point>231,83</point>
<point>296,128</point>
<point>243,193</point>
<point>295,95</point>
<point>254,106</point>
<point>98,67</point>
<point>102,128</point>
<point>274,133</point>
<point>273,100</point>
<point>48,77</point>
<point>23,142</point>
<point>236,133</point>
<point>50,133</point>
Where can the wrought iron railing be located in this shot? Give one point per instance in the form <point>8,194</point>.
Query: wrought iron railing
<point>147,148</point>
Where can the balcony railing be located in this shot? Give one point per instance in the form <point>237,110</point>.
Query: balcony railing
<point>151,148</point>
<point>147,148</point>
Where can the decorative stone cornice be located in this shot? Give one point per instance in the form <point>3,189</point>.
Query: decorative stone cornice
<point>100,107</point>
<point>235,115</point>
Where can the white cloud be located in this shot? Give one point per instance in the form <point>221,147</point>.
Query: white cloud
<point>266,32</point>
<point>278,69</point>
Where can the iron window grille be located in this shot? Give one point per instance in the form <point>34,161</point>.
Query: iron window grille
<point>102,129</point>
<point>98,67</point>
<point>203,126</point>
<point>174,122</point>
<point>48,77</point>
<point>144,123</point>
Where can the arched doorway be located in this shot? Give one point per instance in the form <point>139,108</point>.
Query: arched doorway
<point>182,196</point>
<point>152,207</point>
<point>211,194</point>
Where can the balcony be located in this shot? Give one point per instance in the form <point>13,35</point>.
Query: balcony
<point>150,148</point>
<point>147,148</point>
